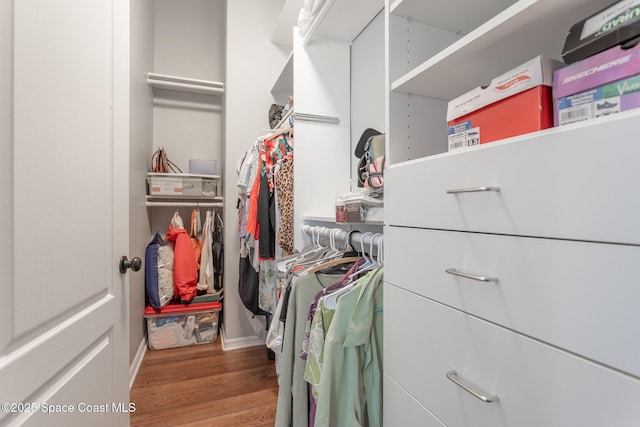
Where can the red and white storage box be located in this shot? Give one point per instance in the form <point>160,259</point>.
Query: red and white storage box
<point>179,325</point>
<point>605,83</point>
<point>515,103</point>
<point>182,184</point>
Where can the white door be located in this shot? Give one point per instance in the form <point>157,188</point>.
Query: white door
<point>64,212</point>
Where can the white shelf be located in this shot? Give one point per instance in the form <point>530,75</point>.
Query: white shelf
<point>184,201</point>
<point>284,84</point>
<point>457,16</point>
<point>522,31</point>
<point>332,220</point>
<point>283,32</point>
<point>184,84</point>
<point>343,20</point>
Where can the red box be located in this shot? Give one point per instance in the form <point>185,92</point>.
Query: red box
<point>524,112</point>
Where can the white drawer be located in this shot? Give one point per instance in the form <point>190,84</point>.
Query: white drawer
<point>576,182</point>
<point>536,385</point>
<point>575,295</point>
<point>402,409</point>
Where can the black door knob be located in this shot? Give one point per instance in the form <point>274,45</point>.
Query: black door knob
<point>135,264</point>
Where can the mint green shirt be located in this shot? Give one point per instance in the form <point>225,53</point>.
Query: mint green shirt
<point>350,391</point>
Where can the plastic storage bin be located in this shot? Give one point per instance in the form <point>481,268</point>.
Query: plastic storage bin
<point>182,185</point>
<point>180,325</point>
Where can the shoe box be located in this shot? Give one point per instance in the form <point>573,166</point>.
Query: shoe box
<point>514,103</point>
<point>180,325</point>
<point>616,24</point>
<point>603,84</point>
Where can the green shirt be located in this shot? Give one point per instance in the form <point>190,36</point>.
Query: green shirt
<point>350,392</point>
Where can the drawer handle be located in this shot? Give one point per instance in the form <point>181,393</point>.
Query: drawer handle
<point>471,276</point>
<point>453,376</point>
<point>472,190</point>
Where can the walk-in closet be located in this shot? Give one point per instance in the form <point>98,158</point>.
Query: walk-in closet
<point>319,213</point>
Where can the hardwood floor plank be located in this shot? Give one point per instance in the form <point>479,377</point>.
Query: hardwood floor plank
<point>203,386</point>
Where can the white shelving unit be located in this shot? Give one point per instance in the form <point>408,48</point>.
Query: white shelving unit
<point>455,63</point>
<point>467,261</point>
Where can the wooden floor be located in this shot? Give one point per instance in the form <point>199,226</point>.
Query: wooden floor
<point>205,386</point>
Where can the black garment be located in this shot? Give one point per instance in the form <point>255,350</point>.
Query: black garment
<point>248,286</point>
<point>266,220</point>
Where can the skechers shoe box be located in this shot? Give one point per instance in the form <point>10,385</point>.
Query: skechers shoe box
<point>603,84</point>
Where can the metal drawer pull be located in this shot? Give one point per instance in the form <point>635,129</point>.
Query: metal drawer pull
<point>471,276</point>
<point>453,376</point>
<point>473,190</point>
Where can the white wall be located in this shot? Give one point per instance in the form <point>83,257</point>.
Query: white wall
<point>189,42</point>
<point>140,149</point>
<point>253,65</point>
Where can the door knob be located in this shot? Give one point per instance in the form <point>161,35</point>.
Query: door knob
<point>135,264</point>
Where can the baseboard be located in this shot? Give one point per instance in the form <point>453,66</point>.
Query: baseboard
<point>238,343</point>
<point>137,361</point>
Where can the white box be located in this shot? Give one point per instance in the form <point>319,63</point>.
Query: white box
<point>203,167</point>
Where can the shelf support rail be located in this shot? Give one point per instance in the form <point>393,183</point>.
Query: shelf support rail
<point>369,243</point>
<point>316,118</point>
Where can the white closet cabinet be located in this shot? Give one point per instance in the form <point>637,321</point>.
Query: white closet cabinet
<point>511,264</point>
<point>321,66</point>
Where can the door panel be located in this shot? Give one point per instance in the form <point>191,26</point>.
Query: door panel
<point>63,335</point>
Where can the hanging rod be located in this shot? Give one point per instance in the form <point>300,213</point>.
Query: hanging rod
<point>284,118</point>
<point>184,84</point>
<point>317,118</point>
<point>361,242</point>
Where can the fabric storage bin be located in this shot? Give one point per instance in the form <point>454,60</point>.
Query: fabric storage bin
<point>182,185</point>
<point>180,325</point>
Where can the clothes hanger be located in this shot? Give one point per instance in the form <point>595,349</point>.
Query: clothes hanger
<point>272,133</point>
<point>334,262</point>
<point>314,248</point>
<point>326,254</point>
<point>374,262</point>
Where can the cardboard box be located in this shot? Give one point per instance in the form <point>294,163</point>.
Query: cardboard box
<point>515,103</point>
<point>606,83</point>
<point>179,325</point>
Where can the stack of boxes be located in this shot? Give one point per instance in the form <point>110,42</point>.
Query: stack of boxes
<point>603,79</point>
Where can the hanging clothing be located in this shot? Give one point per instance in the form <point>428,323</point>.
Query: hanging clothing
<point>284,185</point>
<point>261,207</point>
<point>185,270</point>
<point>314,303</point>
<point>217,252</point>
<point>350,392</point>
<point>293,405</point>
<point>206,281</point>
